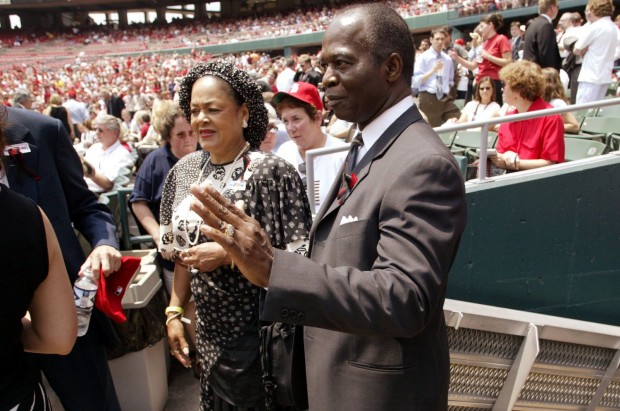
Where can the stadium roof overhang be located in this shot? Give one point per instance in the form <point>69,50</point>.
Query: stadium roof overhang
<point>45,6</point>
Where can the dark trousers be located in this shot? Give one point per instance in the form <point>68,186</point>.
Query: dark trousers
<point>82,379</point>
<point>437,111</point>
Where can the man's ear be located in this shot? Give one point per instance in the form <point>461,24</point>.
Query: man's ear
<point>393,67</point>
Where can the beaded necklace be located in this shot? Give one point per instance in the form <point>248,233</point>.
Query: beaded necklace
<point>208,165</point>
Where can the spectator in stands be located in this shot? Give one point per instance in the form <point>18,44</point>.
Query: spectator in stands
<point>78,112</point>
<point>560,33</point>
<point>271,136</point>
<point>226,111</point>
<point>434,76</point>
<point>104,160</point>
<point>527,144</point>
<point>307,72</point>
<point>556,96</point>
<point>179,140</point>
<point>516,41</point>
<point>285,78</point>
<point>57,111</point>
<point>23,99</point>
<point>460,49</point>
<point>114,105</point>
<point>335,126</point>
<point>301,111</point>
<point>572,63</point>
<point>483,106</point>
<point>146,124</point>
<point>539,44</point>
<point>597,46</point>
<point>495,54</point>
<point>425,44</point>
<point>38,307</point>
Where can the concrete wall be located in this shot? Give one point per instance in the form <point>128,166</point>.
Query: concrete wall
<point>545,241</point>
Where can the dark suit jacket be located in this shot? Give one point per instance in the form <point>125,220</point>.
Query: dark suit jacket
<point>371,295</point>
<point>115,106</point>
<point>61,191</point>
<point>540,46</point>
<point>516,46</point>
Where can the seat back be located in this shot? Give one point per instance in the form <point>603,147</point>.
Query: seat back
<point>609,111</point>
<point>471,139</point>
<point>128,240</point>
<point>600,125</point>
<point>576,148</point>
<point>447,138</point>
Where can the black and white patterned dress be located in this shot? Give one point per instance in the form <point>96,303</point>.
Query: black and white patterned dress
<point>226,303</point>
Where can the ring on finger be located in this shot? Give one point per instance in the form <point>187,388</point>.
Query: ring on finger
<point>193,270</point>
<point>222,225</point>
<point>230,230</point>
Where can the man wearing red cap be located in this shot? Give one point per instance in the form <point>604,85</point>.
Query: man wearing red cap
<point>301,110</point>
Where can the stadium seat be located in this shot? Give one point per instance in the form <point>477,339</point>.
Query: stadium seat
<point>466,143</point>
<point>128,240</point>
<point>609,111</point>
<point>447,138</point>
<point>600,127</point>
<point>576,148</point>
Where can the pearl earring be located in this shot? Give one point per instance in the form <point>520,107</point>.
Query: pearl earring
<point>245,123</point>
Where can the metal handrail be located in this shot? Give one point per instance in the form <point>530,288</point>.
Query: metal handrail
<point>484,134</point>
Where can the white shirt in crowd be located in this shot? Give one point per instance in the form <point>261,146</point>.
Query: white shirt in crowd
<point>108,162</point>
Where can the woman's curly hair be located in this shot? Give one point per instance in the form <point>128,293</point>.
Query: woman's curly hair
<point>524,77</point>
<point>244,90</point>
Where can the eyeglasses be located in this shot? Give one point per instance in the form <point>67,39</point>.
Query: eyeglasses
<point>484,88</point>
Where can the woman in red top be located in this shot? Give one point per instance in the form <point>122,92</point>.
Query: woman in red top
<point>496,52</point>
<point>527,144</point>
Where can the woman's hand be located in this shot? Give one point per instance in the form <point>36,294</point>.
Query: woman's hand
<point>240,235</point>
<point>205,257</point>
<point>507,160</point>
<point>179,348</point>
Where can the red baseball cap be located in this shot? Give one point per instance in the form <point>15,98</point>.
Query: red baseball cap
<point>302,91</point>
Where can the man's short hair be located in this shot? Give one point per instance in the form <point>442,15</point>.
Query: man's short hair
<point>438,30</point>
<point>385,33</point>
<point>601,8</point>
<point>545,5</point>
<point>21,96</point>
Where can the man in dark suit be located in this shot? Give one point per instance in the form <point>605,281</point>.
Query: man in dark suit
<point>44,166</point>
<point>114,105</point>
<point>539,44</point>
<point>370,297</point>
<point>516,40</point>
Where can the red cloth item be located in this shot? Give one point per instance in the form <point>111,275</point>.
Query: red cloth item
<point>112,289</point>
<point>305,92</point>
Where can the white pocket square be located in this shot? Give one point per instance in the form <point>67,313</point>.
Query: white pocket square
<point>347,219</point>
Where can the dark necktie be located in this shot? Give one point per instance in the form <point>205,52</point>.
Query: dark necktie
<point>348,179</point>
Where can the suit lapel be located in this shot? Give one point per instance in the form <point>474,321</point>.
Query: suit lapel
<point>17,133</point>
<point>363,167</point>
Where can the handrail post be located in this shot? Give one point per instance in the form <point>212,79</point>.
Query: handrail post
<point>482,160</point>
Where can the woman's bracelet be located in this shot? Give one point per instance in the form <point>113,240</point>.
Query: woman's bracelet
<point>178,316</point>
<point>174,309</point>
